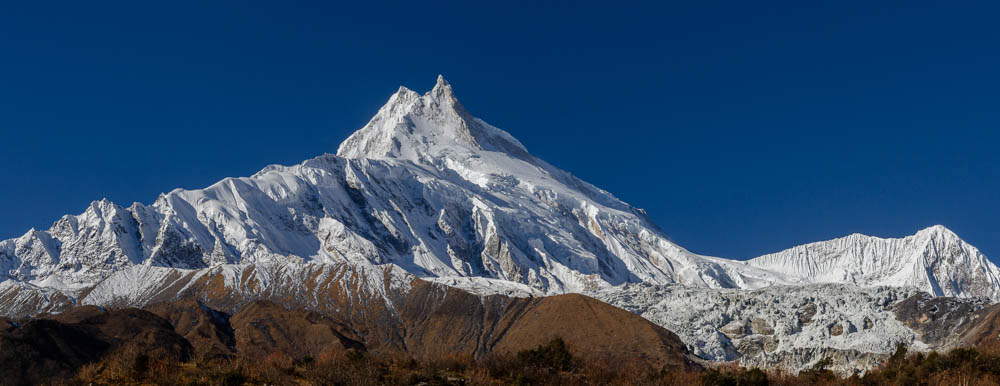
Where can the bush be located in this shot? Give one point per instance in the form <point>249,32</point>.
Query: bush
<point>550,363</point>
<point>554,356</point>
<point>739,377</point>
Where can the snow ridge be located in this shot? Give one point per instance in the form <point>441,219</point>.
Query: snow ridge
<point>430,188</point>
<point>424,185</point>
<point>935,260</point>
<point>433,192</point>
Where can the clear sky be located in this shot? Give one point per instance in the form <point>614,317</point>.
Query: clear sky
<point>742,128</point>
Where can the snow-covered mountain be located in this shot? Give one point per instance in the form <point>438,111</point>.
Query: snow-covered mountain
<point>935,260</point>
<point>427,188</point>
<point>423,185</point>
<point>444,195</point>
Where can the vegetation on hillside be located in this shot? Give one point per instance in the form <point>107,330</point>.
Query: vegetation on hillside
<point>551,363</point>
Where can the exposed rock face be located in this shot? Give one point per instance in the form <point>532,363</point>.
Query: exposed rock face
<point>806,314</point>
<point>761,327</point>
<point>984,328</point>
<point>940,321</point>
<point>735,329</point>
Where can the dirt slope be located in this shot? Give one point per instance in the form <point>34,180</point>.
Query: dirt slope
<point>43,349</point>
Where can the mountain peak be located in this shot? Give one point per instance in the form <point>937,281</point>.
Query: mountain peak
<point>424,127</point>
<point>937,230</point>
<point>444,95</point>
<point>934,260</point>
<point>442,86</point>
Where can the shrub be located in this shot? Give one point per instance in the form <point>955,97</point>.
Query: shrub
<point>554,356</point>
<point>738,377</point>
<point>550,363</point>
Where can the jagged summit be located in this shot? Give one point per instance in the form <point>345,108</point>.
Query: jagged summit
<point>428,127</point>
<point>442,90</point>
<point>938,230</point>
<point>445,196</point>
<point>427,190</point>
<point>934,260</point>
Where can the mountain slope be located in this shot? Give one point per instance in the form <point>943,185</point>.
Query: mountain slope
<point>261,307</point>
<point>43,350</point>
<point>444,195</point>
<point>423,185</point>
<point>934,260</point>
<point>426,190</point>
<point>212,317</point>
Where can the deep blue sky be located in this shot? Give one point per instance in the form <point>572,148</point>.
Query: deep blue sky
<point>742,128</point>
